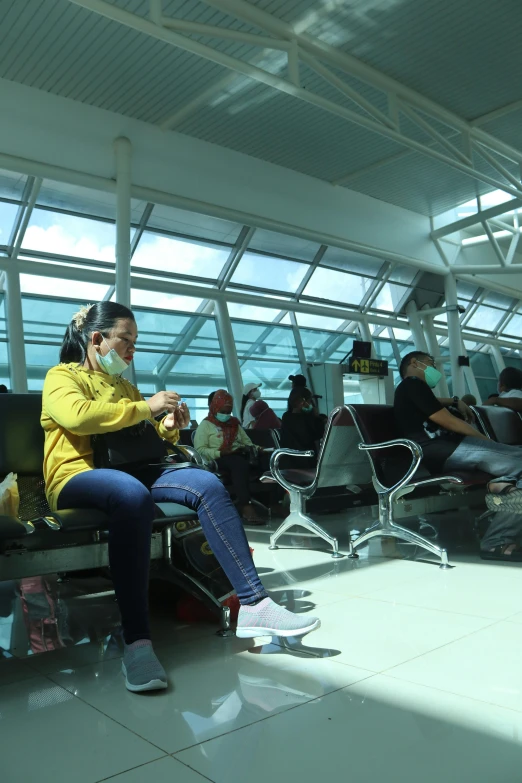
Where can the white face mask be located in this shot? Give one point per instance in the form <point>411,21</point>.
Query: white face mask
<point>111,363</point>
<point>256,394</point>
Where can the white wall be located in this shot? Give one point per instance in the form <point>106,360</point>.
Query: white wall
<point>54,130</point>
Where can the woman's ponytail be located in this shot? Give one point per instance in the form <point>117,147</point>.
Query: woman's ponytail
<point>73,347</point>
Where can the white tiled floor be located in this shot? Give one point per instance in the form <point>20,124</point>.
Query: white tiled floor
<point>415,675</point>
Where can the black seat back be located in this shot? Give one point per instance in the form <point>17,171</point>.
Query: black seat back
<point>21,434</point>
<point>376,424</point>
<point>501,424</point>
<point>185,437</point>
<point>263,438</point>
<point>341,463</point>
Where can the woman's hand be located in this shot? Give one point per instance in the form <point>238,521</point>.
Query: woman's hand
<point>163,401</point>
<point>178,419</point>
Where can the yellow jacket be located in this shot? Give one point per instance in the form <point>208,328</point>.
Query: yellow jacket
<point>78,403</point>
<point>208,440</point>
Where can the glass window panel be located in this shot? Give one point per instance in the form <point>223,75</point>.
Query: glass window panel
<point>337,286</point>
<point>76,198</point>
<point>482,365</point>
<point>140,298</point>
<point>164,328</point>
<point>514,326</point>
<point>278,344</point>
<point>466,290</point>
<point>284,245</point>
<point>390,297</point>
<point>319,321</point>
<point>384,350</point>
<point>498,300</point>
<point>339,354</point>
<point>274,377</point>
<point>179,221</point>
<point>267,272</point>
<point>350,261</point>
<point>313,343</point>
<point>485,318</point>
<point>264,341</point>
<point>403,274</point>
<point>179,256</point>
<point>7,217</point>
<point>70,289</point>
<point>251,313</point>
<point>11,184</point>
<point>68,235</point>
<point>402,334</point>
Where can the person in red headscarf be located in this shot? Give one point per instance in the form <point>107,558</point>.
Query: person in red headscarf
<point>221,437</point>
<point>265,418</point>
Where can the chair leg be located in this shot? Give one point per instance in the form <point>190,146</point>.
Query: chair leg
<point>297,518</point>
<point>386,527</point>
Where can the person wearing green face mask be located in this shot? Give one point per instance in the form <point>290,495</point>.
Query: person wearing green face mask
<point>302,428</point>
<point>451,444</point>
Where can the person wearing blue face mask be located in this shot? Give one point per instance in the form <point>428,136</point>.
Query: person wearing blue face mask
<point>451,444</point>
<point>221,437</point>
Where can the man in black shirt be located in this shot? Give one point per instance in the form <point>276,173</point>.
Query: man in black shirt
<point>450,443</point>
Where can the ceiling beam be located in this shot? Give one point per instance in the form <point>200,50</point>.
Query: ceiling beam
<point>370,117</point>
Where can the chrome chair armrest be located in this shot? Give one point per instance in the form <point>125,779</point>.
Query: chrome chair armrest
<point>415,484</point>
<point>276,470</point>
<point>416,455</point>
<point>194,454</point>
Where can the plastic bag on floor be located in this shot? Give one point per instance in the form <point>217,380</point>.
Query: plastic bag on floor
<point>9,496</point>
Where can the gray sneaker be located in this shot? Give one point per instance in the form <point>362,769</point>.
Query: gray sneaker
<point>141,668</point>
<point>269,619</point>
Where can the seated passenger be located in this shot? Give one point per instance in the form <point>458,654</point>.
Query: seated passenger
<point>86,395</point>
<point>509,390</point>
<point>451,444</point>
<point>302,428</point>
<point>264,417</point>
<point>251,393</point>
<point>220,437</point>
<point>469,399</point>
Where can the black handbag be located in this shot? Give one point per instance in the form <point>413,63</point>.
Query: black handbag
<point>130,448</point>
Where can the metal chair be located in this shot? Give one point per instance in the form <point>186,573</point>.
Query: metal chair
<point>339,464</point>
<point>393,476</point>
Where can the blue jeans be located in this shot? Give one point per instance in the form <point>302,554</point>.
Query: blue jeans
<point>130,507</point>
<point>505,464</point>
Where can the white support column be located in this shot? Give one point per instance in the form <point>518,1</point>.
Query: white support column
<point>300,351</point>
<point>15,331</point>
<point>441,390</point>
<point>122,159</point>
<point>417,331</point>
<point>454,334</point>
<point>13,303</point>
<point>470,378</point>
<point>123,155</point>
<point>498,358</point>
<point>364,329</point>
<point>229,353</point>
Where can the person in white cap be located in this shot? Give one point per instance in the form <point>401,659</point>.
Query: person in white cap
<point>251,393</point>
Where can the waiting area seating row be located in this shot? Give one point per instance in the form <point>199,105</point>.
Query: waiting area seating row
<point>360,453</point>
<point>361,446</point>
<point>44,542</point>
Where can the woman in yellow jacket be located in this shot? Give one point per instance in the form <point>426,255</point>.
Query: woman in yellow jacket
<point>85,395</point>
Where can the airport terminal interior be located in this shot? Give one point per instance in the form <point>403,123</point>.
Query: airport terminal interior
<point>289,195</point>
